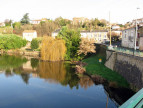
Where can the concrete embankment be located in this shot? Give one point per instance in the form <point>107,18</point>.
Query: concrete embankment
<point>129,66</point>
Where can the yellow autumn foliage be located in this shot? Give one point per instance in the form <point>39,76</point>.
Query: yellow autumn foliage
<point>55,71</point>
<point>52,49</point>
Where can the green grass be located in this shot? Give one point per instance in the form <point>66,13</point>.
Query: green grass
<point>94,67</point>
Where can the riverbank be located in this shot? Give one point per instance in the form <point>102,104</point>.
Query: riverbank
<point>94,67</point>
<point>21,52</point>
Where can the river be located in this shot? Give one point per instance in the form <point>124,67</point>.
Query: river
<point>30,83</point>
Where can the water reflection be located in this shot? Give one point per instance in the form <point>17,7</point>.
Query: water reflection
<point>58,73</point>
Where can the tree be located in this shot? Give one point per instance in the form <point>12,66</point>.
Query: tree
<point>114,36</point>
<point>8,22</point>
<point>52,49</point>
<point>72,39</point>
<point>86,46</point>
<point>25,19</point>
<point>62,22</point>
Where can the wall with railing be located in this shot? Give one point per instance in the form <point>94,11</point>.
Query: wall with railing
<point>127,51</point>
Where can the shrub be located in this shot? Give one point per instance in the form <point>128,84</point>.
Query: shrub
<point>11,41</point>
<point>34,44</point>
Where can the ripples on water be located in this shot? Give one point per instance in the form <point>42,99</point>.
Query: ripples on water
<point>28,82</point>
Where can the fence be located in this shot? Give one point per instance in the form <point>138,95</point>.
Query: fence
<point>126,51</point>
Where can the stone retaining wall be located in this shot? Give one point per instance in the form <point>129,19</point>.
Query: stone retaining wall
<point>129,66</point>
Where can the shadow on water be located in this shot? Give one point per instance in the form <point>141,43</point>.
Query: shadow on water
<point>59,73</point>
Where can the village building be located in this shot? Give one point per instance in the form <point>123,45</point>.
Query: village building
<point>140,35</point>
<point>139,21</point>
<point>2,24</point>
<point>115,27</point>
<point>129,35</point>
<point>55,33</point>
<point>29,34</point>
<point>78,20</point>
<point>37,21</point>
<point>99,36</point>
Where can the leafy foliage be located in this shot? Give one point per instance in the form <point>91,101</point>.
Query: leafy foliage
<point>86,46</point>
<point>25,19</point>
<point>11,41</point>
<point>53,49</point>
<point>72,39</point>
<point>34,44</point>
<point>8,62</point>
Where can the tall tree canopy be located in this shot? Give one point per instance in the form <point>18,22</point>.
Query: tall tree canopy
<point>72,39</point>
<point>25,19</point>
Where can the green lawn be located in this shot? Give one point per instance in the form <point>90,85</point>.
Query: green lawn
<point>94,67</point>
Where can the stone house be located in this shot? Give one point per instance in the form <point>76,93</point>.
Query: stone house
<point>128,38</point>
<point>29,34</point>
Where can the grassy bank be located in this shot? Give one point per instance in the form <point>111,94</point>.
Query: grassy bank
<point>94,67</point>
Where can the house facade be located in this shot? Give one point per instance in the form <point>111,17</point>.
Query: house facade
<point>140,35</point>
<point>2,24</point>
<point>37,21</point>
<point>77,20</point>
<point>99,36</point>
<point>29,34</point>
<point>128,38</point>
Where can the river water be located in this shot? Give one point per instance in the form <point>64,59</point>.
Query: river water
<point>30,83</point>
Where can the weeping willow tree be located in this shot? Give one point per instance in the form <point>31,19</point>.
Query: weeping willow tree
<point>53,49</point>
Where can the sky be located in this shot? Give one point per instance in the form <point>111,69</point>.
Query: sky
<point>121,11</point>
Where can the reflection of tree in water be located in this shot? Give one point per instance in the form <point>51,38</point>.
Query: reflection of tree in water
<point>25,77</point>
<point>85,82</point>
<point>8,72</point>
<point>52,70</point>
<point>7,62</point>
<point>58,72</point>
<point>34,62</point>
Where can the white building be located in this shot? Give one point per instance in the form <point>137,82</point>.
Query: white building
<point>128,38</point>
<point>29,34</point>
<point>35,21</point>
<point>2,24</point>
<point>115,27</point>
<point>99,36</point>
<point>55,33</point>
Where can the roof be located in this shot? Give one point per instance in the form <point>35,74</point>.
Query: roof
<point>29,31</point>
<point>57,31</point>
<point>94,31</point>
<point>129,28</point>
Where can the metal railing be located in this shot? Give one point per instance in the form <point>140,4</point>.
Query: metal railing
<point>126,51</point>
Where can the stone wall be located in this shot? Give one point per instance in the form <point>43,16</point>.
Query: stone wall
<point>129,66</point>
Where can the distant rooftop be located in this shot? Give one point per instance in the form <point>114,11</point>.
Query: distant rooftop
<point>29,31</point>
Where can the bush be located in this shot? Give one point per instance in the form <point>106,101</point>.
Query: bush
<point>11,41</point>
<point>34,44</point>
